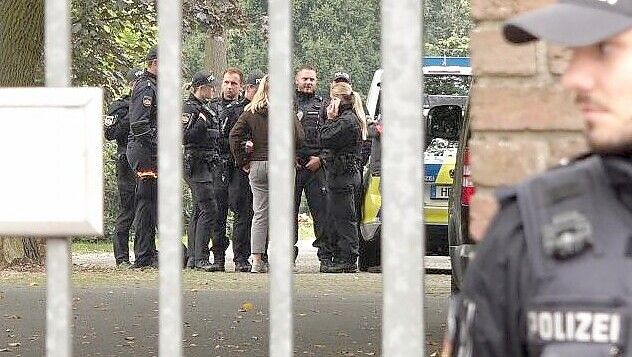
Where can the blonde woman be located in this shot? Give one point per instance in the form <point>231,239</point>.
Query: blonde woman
<point>341,138</point>
<point>249,144</point>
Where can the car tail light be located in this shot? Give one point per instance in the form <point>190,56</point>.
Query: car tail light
<point>467,186</point>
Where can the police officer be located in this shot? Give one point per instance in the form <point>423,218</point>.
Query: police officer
<point>200,137</point>
<point>227,106</point>
<point>552,276</point>
<point>309,175</point>
<point>142,150</point>
<point>239,195</point>
<point>341,136</point>
<point>116,127</point>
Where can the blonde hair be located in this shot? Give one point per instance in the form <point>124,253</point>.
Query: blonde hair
<point>344,91</point>
<point>260,99</point>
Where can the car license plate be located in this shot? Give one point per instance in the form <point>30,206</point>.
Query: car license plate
<point>440,192</point>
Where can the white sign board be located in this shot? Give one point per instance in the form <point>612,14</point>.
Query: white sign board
<point>51,161</point>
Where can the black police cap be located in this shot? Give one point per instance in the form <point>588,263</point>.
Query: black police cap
<point>152,54</point>
<point>341,77</point>
<point>133,74</point>
<point>255,77</point>
<point>571,23</point>
<point>203,79</point>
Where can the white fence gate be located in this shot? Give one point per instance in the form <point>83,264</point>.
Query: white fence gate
<point>403,323</point>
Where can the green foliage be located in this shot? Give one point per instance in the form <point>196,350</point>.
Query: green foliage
<point>344,35</point>
<point>112,36</point>
<point>447,27</point>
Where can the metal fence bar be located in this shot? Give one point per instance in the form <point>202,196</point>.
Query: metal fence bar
<point>170,177</point>
<point>281,179</point>
<point>58,285</point>
<point>402,326</point>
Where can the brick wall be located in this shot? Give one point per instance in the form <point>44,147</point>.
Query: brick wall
<point>523,122</point>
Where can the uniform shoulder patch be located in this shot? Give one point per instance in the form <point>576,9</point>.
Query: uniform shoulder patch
<point>186,118</point>
<point>147,101</point>
<point>109,120</point>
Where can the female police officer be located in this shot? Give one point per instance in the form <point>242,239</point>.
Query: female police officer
<point>201,131</point>
<point>341,138</point>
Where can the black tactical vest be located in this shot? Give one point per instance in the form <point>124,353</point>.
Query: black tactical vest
<point>578,238</point>
<point>308,109</point>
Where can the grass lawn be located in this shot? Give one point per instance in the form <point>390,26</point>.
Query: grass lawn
<point>305,231</point>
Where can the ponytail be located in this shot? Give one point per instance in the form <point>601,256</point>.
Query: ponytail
<point>358,108</point>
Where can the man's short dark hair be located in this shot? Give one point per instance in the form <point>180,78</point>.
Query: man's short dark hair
<point>305,67</point>
<point>237,71</point>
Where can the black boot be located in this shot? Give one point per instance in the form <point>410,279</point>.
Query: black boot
<point>204,265</point>
<point>218,265</point>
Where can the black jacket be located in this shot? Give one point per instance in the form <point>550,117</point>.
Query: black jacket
<point>341,139</point>
<point>500,280</point>
<point>308,109</point>
<point>116,125</point>
<point>200,125</point>
<point>143,110</point>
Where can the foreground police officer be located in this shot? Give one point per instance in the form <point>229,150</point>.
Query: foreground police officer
<point>116,127</point>
<point>227,107</point>
<point>341,136</point>
<point>309,175</point>
<point>552,277</point>
<point>142,151</point>
<point>200,138</point>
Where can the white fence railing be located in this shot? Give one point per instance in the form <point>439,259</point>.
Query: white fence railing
<point>403,237</point>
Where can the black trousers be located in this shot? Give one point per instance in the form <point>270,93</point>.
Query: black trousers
<point>343,217</point>
<point>142,159</point>
<point>314,185</point>
<point>203,220</point>
<point>240,201</point>
<point>126,183</point>
<point>232,191</point>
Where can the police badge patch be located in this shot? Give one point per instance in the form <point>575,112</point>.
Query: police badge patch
<point>186,118</point>
<point>147,100</point>
<point>109,120</point>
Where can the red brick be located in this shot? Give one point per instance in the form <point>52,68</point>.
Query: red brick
<point>532,108</point>
<point>483,208</point>
<point>491,55</point>
<point>499,162</point>
<point>491,9</point>
<point>501,9</point>
<point>558,58</point>
<point>566,148</point>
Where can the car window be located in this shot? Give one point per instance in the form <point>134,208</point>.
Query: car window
<point>444,122</point>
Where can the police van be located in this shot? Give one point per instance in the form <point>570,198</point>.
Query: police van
<point>446,92</point>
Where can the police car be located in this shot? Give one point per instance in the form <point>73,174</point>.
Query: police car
<point>446,86</point>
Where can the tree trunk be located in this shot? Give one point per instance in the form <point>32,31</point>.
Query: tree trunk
<point>215,55</point>
<point>21,65</point>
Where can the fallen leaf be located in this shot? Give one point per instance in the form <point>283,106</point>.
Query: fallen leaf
<point>14,344</point>
<point>195,335</point>
<point>34,284</point>
<point>247,306</point>
<point>129,338</point>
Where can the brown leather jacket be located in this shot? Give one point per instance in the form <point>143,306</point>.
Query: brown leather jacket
<point>254,127</point>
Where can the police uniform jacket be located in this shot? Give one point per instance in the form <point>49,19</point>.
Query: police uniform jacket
<point>143,110</point>
<point>200,137</point>
<point>116,126</point>
<point>308,108</point>
<point>341,140</point>
<point>228,118</point>
<point>560,288</point>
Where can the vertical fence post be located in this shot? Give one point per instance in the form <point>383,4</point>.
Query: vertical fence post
<point>170,177</point>
<point>281,179</point>
<point>58,285</point>
<point>402,166</point>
